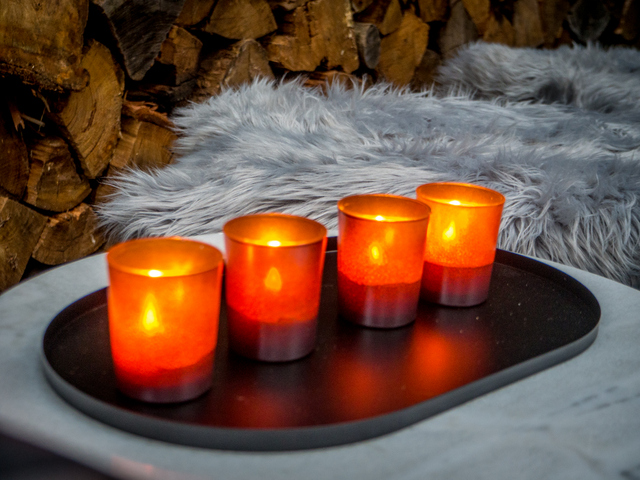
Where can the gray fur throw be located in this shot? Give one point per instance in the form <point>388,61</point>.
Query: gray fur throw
<point>570,170</point>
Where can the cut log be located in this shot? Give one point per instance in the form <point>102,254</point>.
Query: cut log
<point>146,112</point>
<point>180,53</point>
<point>323,79</point>
<point>629,25</point>
<point>458,31</point>
<point>41,42</point>
<point>368,42</point>
<point>194,12</point>
<point>480,13</point>
<point>320,32</point>
<point>139,28</point>
<point>499,31</point>
<point>527,24</point>
<point>20,229</point>
<point>292,47</point>
<point>122,157</point>
<point>124,153</point>
<point>153,146</point>
<point>14,162</point>
<point>166,95</point>
<point>425,74</point>
<point>384,14</point>
<point>588,19</point>
<point>90,118</point>
<point>143,145</point>
<point>68,236</point>
<point>402,51</point>
<point>238,64</point>
<point>54,183</point>
<point>359,5</point>
<point>553,14</point>
<point>433,10</point>
<point>240,19</point>
<point>286,5</point>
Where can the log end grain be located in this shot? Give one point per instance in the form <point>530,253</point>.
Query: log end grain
<point>69,236</point>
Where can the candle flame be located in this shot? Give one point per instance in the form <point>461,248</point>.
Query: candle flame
<point>150,323</point>
<point>273,281</point>
<point>274,243</point>
<point>154,273</point>
<point>377,254</point>
<point>450,233</point>
<point>379,218</point>
<point>455,202</point>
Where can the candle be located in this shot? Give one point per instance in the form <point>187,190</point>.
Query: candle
<point>461,242</point>
<point>273,284</point>
<point>381,241</point>
<point>164,304</point>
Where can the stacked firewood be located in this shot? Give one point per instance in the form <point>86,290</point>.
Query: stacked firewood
<point>87,86</point>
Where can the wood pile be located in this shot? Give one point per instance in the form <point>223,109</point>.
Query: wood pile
<point>87,86</point>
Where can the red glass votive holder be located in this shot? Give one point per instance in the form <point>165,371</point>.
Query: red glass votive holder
<point>273,284</point>
<point>381,241</point>
<point>164,306</point>
<point>461,242</point>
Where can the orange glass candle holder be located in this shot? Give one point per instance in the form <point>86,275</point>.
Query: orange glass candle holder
<point>164,305</point>
<point>273,284</point>
<point>381,241</point>
<point>461,242</point>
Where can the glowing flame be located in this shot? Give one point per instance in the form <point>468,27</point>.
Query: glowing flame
<point>154,273</point>
<point>377,254</point>
<point>449,233</point>
<point>454,202</point>
<point>150,322</point>
<point>273,281</point>
<point>379,218</point>
<point>274,243</point>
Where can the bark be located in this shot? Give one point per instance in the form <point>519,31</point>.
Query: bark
<point>368,42</point>
<point>139,28</point>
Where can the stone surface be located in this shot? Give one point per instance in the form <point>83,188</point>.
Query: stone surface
<point>577,420</point>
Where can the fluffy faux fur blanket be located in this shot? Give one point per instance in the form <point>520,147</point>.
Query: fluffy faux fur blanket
<point>570,170</point>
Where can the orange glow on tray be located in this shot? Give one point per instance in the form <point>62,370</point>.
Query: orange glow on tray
<point>380,254</point>
<point>164,304</point>
<point>448,354</point>
<point>273,283</point>
<point>461,241</point>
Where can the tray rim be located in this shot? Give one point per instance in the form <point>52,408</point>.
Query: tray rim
<point>335,434</point>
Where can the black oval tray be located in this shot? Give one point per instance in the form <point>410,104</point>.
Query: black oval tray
<point>358,383</point>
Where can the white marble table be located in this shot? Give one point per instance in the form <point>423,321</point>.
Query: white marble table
<point>578,420</point>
